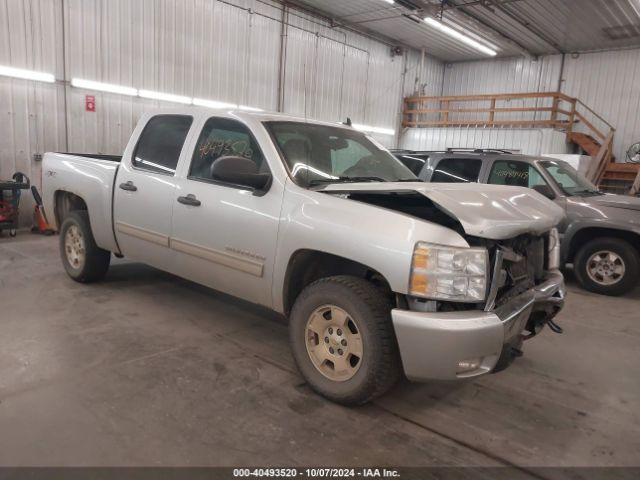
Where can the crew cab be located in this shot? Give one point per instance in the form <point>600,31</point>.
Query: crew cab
<point>600,235</point>
<point>378,274</point>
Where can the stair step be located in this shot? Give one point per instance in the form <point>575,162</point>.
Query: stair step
<point>622,178</point>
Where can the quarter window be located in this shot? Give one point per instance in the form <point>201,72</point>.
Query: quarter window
<point>224,137</point>
<point>457,170</point>
<point>160,143</point>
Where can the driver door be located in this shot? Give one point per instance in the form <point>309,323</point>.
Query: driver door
<point>225,235</point>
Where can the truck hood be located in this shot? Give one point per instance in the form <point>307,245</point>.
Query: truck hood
<point>489,211</point>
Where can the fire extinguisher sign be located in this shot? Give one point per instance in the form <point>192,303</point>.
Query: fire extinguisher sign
<point>90,103</point>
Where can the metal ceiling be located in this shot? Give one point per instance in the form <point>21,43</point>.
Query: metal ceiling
<point>515,27</point>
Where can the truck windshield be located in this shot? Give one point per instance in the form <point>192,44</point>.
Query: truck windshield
<point>568,179</point>
<point>320,154</point>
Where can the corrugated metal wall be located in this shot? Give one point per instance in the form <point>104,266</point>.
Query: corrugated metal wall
<point>609,82</point>
<point>32,113</point>
<point>220,50</point>
<point>527,141</point>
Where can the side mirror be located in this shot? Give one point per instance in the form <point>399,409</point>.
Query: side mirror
<point>239,171</point>
<point>545,190</point>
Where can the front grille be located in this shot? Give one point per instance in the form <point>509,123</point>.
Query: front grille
<point>522,268</point>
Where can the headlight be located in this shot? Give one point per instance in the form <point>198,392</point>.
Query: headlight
<point>449,273</point>
<point>554,250</point>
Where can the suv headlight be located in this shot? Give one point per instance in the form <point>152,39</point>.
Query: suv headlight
<point>449,273</point>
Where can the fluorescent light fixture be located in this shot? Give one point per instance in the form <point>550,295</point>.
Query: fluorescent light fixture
<point>367,128</point>
<point>390,2</point>
<point>103,87</point>
<point>459,36</point>
<point>201,102</point>
<point>165,97</point>
<point>27,74</point>
<point>250,109</point>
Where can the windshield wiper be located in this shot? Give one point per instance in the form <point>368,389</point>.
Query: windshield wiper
<point>587,192</point>
<point>345,180</point>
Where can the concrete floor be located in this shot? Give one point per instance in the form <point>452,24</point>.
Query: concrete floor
<point>148,369</point>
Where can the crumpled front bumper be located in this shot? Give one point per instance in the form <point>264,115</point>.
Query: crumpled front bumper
<point>433,345</point>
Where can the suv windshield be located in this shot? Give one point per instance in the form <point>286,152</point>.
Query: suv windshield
<point>320,154</point>
<point>568,179</point>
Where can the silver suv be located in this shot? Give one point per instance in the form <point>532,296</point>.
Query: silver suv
<point>600,235</point>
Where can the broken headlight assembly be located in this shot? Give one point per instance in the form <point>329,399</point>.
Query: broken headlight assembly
<point>448,273</point>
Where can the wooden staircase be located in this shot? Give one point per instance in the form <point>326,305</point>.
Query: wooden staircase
<point>615,177</point>
<point>586,142</point>
<point>583,126</point>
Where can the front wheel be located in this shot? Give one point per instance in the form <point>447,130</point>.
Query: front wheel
<point>83,260</point>
<point>343,341</point>
<point>608,266</point>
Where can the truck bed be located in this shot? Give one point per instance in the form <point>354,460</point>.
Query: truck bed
<point>90,177</point>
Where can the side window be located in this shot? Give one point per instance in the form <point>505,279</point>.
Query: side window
<point>457,170</point>
<point>521,174</point>
<point>224,137</point>
<point>160,143</point>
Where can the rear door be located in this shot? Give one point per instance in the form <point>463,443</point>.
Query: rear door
<point>225,234</point>
<point>145,190</point>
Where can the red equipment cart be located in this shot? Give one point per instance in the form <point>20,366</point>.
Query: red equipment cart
<point>10,191</point>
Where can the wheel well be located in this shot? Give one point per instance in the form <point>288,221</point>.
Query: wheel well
<point>307,266</point>
<point>66,202</point>
<point>587,234</point>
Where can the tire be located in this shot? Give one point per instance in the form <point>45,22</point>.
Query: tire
<point>83,260</point>
<point>374,366</point>
<point>586,261</point>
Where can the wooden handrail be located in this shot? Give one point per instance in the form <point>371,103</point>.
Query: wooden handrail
<point>488,96</point>
<point>599,163</point>
<point>595,114</point>
<point>447,107</point>
<point>588,124</point>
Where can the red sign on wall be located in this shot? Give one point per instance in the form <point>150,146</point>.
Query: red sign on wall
<point>90,103</point>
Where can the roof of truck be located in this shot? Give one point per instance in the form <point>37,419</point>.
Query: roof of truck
<point>263,116</point>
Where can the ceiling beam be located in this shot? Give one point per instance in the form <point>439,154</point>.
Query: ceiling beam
<point>451,4</point>
<point>526,25</point>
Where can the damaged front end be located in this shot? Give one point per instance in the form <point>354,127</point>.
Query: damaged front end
<point>449,340</point>
<point>527,290</point>
<point>442,336</point>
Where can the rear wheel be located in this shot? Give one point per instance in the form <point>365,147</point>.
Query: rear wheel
<point>608,266</point>
<point>83,260</point>
<point>342,339</point>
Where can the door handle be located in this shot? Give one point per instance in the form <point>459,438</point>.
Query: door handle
<point>190,200</point>
<point>129,186</point>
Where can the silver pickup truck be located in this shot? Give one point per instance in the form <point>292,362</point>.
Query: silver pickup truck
<point>379,274</point>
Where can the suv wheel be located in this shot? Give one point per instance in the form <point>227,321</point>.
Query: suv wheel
<point>342,339</point>
<point>608,266</point>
